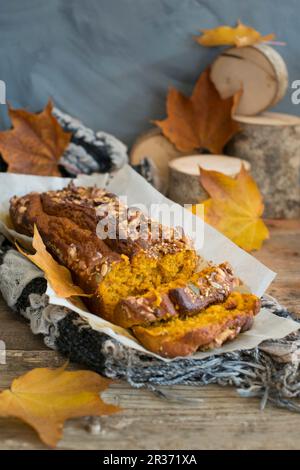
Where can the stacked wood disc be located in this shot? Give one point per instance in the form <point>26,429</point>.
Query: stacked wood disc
<point>258,71</point>
<point>271,143</point>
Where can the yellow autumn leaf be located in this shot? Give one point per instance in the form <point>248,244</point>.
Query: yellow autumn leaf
<point>44,398</point>
<point>58,276</point>
<point>240,36</point>
<point>235,207</point>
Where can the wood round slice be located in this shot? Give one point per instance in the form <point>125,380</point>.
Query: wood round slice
<point>259,71</point>
<point>159,150</point>
<point>271,143</point>
<point>184,181</point>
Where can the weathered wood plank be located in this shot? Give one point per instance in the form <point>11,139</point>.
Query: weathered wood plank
<point>282,254</point>
<point>15,331</point>
<point>217,419</point>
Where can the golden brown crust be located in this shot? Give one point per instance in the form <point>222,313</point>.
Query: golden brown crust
<point>210,328</point>
<point>89,206</point>
<point>80,250</point>
<point>134,311</point>
<point>211,285</point>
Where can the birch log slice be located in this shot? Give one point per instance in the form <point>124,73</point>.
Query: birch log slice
<point>184,181</point>
<point>159,150</point>
<point>259,71</point>
<point>271,143</point>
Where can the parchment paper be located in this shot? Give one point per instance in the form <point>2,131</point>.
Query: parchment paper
<point>212,246</point>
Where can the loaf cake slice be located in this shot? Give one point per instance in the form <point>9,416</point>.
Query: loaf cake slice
<point>211,285</point>
<point>208,329</point>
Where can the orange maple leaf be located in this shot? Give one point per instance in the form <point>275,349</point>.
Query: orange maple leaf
<point>44,398</point>
<point>35,143</point>
<point>203,121</point>
<point>58,276</point>
<point>240,36</point>
<point>235,207</point>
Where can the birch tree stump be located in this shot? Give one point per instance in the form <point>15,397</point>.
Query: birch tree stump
<point>271,143</point>
<point>154,146</point>
<point>184,180</point>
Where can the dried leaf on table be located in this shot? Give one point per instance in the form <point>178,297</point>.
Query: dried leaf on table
<point>35,143</point>
<point>239,36</point>
<point>235,207</point>
<point>203,121</point>
<point>58,276</point>
<point>44,398</point>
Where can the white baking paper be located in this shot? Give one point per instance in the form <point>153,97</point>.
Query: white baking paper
<point>212,246</point>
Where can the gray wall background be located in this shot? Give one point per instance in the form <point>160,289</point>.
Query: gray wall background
<point>111,62</point>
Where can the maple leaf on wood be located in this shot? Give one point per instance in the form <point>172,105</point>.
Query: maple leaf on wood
<point>35,143</point>
<point>235,207</point>
<point>203,121</point>
<point>44,398</point>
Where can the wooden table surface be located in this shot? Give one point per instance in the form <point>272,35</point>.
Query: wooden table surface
<point>217,419</point>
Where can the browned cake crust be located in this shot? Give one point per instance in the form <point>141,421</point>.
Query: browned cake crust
<point>134,311</point>
<point>211,285</point>
<point>207,329</point>
<point>79,249</point>
<point>89,206</point>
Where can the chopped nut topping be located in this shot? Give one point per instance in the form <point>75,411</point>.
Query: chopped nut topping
<point>104,269</point>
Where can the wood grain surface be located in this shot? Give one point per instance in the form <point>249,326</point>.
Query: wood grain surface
<point>207,417</point>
